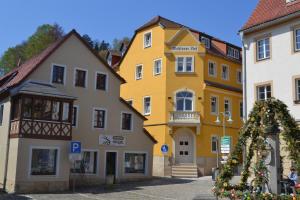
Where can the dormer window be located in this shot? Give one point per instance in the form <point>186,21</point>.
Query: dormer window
<point>147,39</point>
<point>205,41</point>
<point>234,53</point>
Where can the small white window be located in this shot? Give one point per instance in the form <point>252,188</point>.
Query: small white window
<point>139,72</point>
<point>239,77</point>
<point>135,163</point>
<point>147,105</point>
<point>263,49</point>
<point>126,121</point>
<point>205,41</point>
<point>147,39</point>
<point>214,144</point>
<point>234,53</point>
<point>297,39</point>
<point>214,105</point>
<point>58,74</point>
<point>185,64</point>
<point>297,89</point>
<point>264,92</point>
<point>225,72</point>
<point>227,107</point>
<point>44,161</point>
<point>157,67</point>
<point>75,114</point>
<point>212,69</point>
<point>99,118</point>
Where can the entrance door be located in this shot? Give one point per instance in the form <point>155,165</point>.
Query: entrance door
<point>184,148</point>
<point>111,160</point>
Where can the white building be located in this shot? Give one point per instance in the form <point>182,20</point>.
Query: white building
<point>271,39</point>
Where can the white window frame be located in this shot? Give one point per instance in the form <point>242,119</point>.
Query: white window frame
<point>237,76</point>
<point>154,67</point>
<point>190,98</point>
<point>264,49</point>
<point>211,142</point>
<point>265,91</point>
<point>217,105</point>
<point>295,39</point>
<point>184,64</point>
<point>106,83</point>
<point>2,107</point>
<point>144,39</point>
<point>205,41</point>
<point>121,128</point>
<point>136,67</point>
<point>146,162</point>
<point>229,106</point>
<point>233,52</point>
<point>65,73</point>
<point>57,160</point>
<point>77,115</point>
<point>215,68</point>
<point>86,77</point>
<point>228,73</point>
<point>105,118</point>
<point>97,164</point>
<point>144,98</point>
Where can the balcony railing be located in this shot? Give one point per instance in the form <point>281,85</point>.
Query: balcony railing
<point>184,117</point>
<point>41,129</point>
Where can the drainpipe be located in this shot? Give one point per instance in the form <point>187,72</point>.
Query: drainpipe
<point>244,69</point>
<point>7,147</point>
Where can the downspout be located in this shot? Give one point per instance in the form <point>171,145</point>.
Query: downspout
<point>244,72</point>
<point>7,147</point>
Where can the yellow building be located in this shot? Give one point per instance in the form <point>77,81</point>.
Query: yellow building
<point>181,80</point>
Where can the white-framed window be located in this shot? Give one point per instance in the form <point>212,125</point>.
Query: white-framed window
<point>75,115</point>
<point>239,76</point>
<point>297,39</point>
<point>157,66</point>
<point>147,105</point>
<point>1,113</point>
<point>44,161</point>
<point>184,101</point>
<point>135,163</point>
<point>241,110</point>
<point>126,121</point>
<point>101,81</point>
<point>185,64</point>
<point>99,118</point>
<point>58,74</point>
<point>297,89</point>
<point>264,92</point>
<point>80,77</point>
<point>148,39</point>
<point>205,41</point>
<point>214,144</point>
<point>227,107</point>
<point>214,105</point>
<point>88,163</point>
<point>138,72</point>
<point>225,72</point>
<point>234,53</point>
<point>212,68</point>
<point>263,49</point>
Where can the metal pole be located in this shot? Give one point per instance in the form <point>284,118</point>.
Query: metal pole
<point>224,116</point>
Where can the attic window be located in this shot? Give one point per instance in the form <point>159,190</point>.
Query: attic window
<point>234,53</point>
<point>147,39</point>
<point>205,41</point>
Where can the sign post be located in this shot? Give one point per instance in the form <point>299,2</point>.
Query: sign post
<point>75,154</point>
<point>225,148</point>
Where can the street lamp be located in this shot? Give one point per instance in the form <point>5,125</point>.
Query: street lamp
<point>218,121</point>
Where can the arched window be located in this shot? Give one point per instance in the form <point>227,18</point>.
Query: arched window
<point>184,101</point>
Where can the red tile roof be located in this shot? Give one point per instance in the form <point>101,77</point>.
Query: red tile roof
<point>17,75</point>
<point>269,10</point>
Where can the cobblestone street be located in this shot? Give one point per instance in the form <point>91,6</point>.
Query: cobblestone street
<point>156,189</point>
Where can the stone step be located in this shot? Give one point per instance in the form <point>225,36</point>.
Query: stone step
<point>185,170</point>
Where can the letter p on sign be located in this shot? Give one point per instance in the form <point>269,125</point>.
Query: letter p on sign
<point>75,147</point>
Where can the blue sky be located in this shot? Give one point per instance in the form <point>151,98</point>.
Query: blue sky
<point>109,19</point>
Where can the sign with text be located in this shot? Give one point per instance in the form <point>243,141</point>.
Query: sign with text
<point>185,48</point>
<point>225,144</point>
<point>112,140</point>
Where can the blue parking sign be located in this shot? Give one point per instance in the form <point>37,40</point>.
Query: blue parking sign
<point>164,148</point>
<point>75,147</point>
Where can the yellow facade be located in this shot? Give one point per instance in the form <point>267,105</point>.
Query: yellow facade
<point>162,89</point>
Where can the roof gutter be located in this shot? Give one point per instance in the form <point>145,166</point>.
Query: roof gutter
<point>270,23</point>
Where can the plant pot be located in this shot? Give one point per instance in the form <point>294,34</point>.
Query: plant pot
<point>110,179</point>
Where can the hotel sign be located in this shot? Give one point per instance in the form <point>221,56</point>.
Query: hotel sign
<point>112,140</point>
<point>185,48</point>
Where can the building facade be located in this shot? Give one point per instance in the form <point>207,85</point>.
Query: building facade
<point>181,80</point>
<point>68,93</point>
<point>271,47</point>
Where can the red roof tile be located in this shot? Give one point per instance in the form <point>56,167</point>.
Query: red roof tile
<point>269,10</point>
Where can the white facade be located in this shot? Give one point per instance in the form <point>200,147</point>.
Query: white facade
<point>279,70</point>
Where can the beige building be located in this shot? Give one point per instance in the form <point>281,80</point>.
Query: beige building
<point>68,93</point>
